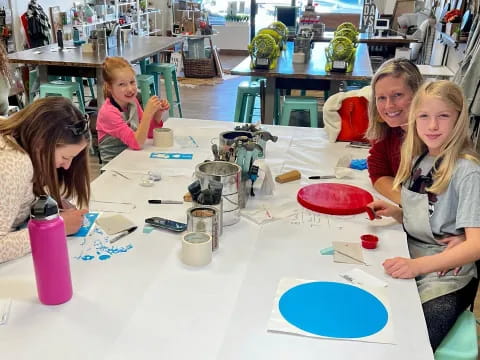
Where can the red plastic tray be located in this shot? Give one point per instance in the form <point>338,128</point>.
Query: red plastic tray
<point>334,199</point>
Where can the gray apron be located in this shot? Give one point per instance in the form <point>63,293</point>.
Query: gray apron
<point>422,242</point>
<point>111,146</point>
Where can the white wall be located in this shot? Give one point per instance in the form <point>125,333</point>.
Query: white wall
<point>20,6</point>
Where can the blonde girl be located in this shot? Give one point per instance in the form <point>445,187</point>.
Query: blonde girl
<point>439,178</point>
<point>121,122</point>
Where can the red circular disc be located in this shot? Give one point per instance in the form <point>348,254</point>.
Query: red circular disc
<point>334,199</point>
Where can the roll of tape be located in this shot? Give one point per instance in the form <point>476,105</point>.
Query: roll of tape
<point>196,248</point>
<point>163,137</point>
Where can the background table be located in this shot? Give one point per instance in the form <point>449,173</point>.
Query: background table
<point>73,62</point>
<point>308,76</point>
<point>146,304</point>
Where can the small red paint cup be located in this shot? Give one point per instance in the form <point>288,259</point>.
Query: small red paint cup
<point>369,241</point>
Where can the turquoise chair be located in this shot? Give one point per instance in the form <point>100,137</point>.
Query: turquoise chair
<point>63,88</point>
<point>168,72</point>
<point>247,92</point>
<point>461,341</point>
<point>305,103</point>
<point>33,85</point>
<point>146,84</point>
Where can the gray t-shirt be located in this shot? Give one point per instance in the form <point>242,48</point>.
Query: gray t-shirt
<point>459,205</point>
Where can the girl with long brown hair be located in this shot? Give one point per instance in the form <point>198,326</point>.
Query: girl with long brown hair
<point>43,150</point>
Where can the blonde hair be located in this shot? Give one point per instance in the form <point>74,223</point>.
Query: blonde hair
<point>457,145</point>
<point>397,68</point>
<point>109,66</point>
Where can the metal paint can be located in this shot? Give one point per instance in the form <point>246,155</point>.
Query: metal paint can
<point>205,218</point>
<point>229,174</point>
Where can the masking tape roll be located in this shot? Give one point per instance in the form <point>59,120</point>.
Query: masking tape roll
<point>163,137</point>
<point>196,249</point>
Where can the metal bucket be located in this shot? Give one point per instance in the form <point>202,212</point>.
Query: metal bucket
<point>227,138</point>
<point>204,218</point>
<point>229,174</point>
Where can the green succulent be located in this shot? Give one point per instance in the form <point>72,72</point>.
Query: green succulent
<point>348,33</point>
<point>280,27</point>
<point>346,25</point>
<point>263,45</point>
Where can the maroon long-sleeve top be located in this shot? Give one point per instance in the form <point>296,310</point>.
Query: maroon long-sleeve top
<point>384,158</point>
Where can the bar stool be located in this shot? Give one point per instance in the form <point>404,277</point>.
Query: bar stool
<point>168,72</point>
<point>33,85</point>
<point>65,89</point>
<point>306,103</point>
<point>461,341</point>
<point>247,92</point>
<point>146,84</point>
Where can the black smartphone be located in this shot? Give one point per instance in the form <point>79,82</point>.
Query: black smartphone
<point>359,144</point>
<point>166,224</point>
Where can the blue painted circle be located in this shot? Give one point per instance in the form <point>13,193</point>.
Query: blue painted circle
<point>333,310</point>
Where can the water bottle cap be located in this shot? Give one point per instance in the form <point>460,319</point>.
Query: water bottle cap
<point>45,208</point>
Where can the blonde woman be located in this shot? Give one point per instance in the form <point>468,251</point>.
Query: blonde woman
<point>43,149</point>
<point>393,88</point>
<point>439,177</point>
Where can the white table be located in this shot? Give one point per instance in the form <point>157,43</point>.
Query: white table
<point>145,304</point>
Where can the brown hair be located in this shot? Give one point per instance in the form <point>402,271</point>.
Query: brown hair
<point>37,130</point>
<point>4,63</point>
<point>397,68</point>
<point>110,64</point>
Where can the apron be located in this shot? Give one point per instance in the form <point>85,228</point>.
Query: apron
<point>422,242</point>
<point>111,146</point>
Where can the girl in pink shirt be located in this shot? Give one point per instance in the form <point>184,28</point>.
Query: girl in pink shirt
<point>121,122</point>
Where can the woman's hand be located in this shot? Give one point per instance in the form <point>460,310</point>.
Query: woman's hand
<point>451,241</point>
<point>402,268</point>
<point>73,220</point>
<point>384,208</point>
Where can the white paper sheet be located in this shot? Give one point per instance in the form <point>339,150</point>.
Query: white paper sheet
<point>278,323</point>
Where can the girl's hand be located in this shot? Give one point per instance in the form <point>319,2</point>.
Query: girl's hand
<point>401,268</point>
<point>165,105</point>
<point>383,208</point>
<point>153,105</point>
<point>73,220</point>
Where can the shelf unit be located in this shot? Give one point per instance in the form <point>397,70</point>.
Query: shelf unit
<point>95,13</point>
<point>9,42</point>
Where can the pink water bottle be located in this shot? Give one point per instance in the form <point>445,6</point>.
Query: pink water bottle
<point>49,252</point>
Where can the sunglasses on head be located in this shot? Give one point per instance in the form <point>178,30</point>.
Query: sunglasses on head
<point>79,128</point>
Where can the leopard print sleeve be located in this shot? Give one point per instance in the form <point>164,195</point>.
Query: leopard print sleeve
<point>16,197</point>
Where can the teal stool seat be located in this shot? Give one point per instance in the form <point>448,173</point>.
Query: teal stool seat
<point>146,84</point>
<point>306,103</point>
<point>168,72</point>
<point>461,341</point>
<point>33,85</point>
<point>65,89</point>
<point>247,92</point>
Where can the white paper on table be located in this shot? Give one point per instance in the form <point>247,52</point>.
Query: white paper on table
<point>264,212</point>
<point>362,278</point>
<point>278,323</point>
<point>5,306</point>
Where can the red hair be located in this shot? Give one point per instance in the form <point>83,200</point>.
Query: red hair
<point>111,64</point>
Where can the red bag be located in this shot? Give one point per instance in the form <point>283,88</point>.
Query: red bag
<point>354,115</point>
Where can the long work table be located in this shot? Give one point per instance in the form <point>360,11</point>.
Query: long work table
<point>136,299</point>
